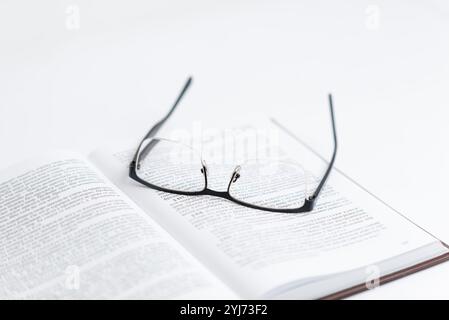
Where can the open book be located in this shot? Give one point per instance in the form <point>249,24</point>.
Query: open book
<point>74,227</point>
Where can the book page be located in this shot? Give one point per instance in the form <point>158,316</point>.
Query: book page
<point>255,251</point>
<point>66,232</point>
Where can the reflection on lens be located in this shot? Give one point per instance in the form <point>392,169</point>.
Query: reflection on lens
<point>275,185</point>
<point>170,165</point>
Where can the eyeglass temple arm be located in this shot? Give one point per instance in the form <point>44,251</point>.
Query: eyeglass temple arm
<point>161,122</point>
<point>331,163</point>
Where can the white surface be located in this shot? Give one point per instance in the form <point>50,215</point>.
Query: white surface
<point>117,73</point>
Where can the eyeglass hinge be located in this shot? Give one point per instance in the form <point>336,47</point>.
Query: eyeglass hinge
<point>309,203</point>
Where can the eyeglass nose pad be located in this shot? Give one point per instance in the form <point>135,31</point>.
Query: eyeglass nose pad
<point>236,174</point>
<point>204,168</point>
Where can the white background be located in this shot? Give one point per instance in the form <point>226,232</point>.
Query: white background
<point>75,74</point>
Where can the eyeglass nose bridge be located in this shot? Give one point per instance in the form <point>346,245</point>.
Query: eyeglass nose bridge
<point>234,176</point>
<point>221,194</point>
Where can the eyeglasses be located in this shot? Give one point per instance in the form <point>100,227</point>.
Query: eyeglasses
<point>173,167</point>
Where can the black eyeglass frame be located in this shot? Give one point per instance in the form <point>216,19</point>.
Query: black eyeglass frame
<point>309,202</point>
